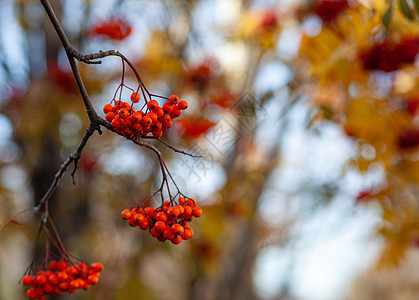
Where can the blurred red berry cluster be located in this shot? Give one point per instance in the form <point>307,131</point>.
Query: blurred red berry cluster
<point>115,29</point>
<point>389,55</point>
<point>328,10</point>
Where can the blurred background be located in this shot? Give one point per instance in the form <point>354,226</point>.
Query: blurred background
<point>305,114</point>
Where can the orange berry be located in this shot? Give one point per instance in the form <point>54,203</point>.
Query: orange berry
<point>136,127</point>
<point>63,285</point>
<point>150,211</point>
<point>191,201</point>
<point>168,234</point>
<point>153,116</point>
<point>167,107</point>
<point>110,116</point>
<point>157,126</point>
<point>136,117</point>
<point>187,234</point>
<point>181,209</point>
<point>177,228</point>
<point>73,271</point>
<point>52,265</point>
<point>152,104</point>
<point>139,218</point>
<point>174,211</point>
<point>31,293</point>
<point>182,105</point>
<point>126,214</point>
<point>165,119</point>
<point>135,97</point>
<point>132,222</point>
<point>53,279</point>
<point>173,99</point>
<point>175,113</point>
<point>145,224</point>
<point>160,226</point>
<point>62,276</point>
<point>93,279</point>
<point>96,266</point>
<point>159,112</point>
<point>40,292</point>
<point>181,200</point>
<point>108,108</point>
<point>157,134</point>
<point>41,279</point>
<point>74,284</point>
<point>154,232</point>
<point>197,211</point>
<point>161,216</point>
<point>116,123</point>
<point>48,288</point>
<point>146,130</point>
<point>27,280</point>
<point>146,121</point>
<point>176,240</point>
<point>126,122</point>
<point>167,125</point>
<point>188,218</point>
<point>123,113</point>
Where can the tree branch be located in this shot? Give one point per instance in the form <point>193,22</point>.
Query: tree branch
<point>70,54</point>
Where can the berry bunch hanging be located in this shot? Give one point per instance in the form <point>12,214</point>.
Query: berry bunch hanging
<point>61,277</point>
<point>170,221</point>
<point>150,119</point>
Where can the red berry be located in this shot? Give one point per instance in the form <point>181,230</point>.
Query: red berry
<point>167,107</point>
<point>159,112</point>
<point>182,105</point>
<point>146,121</point>
<point>31,293</point>
<point>176,240</point>
<point>152,105</point>
<point>136,117</point>
<point>126,214</point>
<point>123,113</point>
<point>160,226</point>
<point>96,266</point>
<point>135,97</point>
<point>174,211</point>
<point>187,234</point>
<point>173,99</point>
<point>27,280</point>
<point>110,116</point>
<point>161,216</point>
<point>53,279</point>
<point>175,113</point>
<point>108,108</point>
<point>197,211</point>
<point>177,229</point>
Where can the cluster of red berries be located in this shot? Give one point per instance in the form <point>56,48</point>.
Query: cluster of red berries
<point>115,29</point>
<point>167,222</point>
<point>135,124</point>
<point>60,278</point>
<point>328,10</point>
<point>409,138</point>
<point>389,56</point>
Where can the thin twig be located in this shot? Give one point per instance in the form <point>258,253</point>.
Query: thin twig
<point>173,148</point>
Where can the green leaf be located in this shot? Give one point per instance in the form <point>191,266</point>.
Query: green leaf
<point>416,3</point>
<point>387,16</point>
<point>405,9</point>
